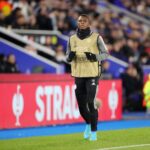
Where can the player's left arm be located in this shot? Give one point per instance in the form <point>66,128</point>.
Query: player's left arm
<point>103,49</point>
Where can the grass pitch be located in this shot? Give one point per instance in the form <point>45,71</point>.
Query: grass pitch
<point>106,139</point>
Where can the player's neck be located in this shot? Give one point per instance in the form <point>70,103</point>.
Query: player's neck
<point>83,33</point>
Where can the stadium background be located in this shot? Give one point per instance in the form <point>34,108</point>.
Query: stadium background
<point>33,40</point>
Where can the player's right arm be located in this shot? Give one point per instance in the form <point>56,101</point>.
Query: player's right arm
<point>70,55</point>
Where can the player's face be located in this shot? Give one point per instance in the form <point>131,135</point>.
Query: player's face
<point>83,22</point>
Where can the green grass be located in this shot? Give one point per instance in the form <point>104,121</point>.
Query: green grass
<point>76,142</point>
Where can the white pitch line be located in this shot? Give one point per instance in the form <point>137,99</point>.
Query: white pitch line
<point>124,147</point>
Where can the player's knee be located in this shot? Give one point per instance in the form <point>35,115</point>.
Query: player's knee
<point>91,107</point>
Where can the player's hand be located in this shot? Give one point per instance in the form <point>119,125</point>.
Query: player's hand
<point>90,56</point>
<point>71,56</point>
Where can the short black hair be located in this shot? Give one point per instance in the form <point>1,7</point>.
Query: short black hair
<point>84,15</point>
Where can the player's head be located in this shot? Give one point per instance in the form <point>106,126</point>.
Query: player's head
<point>83,21</point>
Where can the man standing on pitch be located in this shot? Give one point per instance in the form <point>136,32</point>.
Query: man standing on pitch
<point>86,50</point>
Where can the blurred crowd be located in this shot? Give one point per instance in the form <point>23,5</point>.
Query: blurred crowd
<point>126,39</point>
<point>8,64</point>
<point>132,81</point>
<point>140,7</point>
